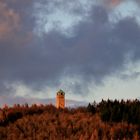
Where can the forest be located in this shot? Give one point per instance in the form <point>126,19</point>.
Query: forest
<point>107,120</point>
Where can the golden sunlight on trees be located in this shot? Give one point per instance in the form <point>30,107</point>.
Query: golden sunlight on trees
<point>94,122</point>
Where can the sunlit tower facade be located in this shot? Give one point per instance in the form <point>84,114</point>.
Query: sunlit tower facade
<point>60,99</point>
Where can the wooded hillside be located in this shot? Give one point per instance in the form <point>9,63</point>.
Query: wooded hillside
<point>108,120</point>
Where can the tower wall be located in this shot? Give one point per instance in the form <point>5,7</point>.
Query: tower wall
<point>60,100</point>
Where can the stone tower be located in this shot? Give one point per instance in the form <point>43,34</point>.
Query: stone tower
<point>60,99</point>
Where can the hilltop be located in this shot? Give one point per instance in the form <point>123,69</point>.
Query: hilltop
<point>104,121</point>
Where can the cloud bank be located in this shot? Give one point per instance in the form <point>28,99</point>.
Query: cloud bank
<point>45,45</point>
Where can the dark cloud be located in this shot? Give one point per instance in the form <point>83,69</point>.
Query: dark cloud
<point>97,49</point>
<point>132,76</point>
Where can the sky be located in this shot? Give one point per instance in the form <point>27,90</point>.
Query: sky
<point>88,48</point>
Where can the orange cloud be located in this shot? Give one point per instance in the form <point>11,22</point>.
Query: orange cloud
<point>111,3</point>
<point>9,21</point>
<point>115,2</point>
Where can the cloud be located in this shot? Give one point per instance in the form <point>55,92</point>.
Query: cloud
<point>123,85</point>
<point>125,9</point>
<point>79,44</point>
<point>9,21</point>
<point>61,16</point>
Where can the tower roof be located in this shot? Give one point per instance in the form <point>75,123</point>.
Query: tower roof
<point>60,92</point>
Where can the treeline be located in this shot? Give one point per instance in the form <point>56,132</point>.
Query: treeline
<point>107,120</point>
<point>109,111</point>
<point>11,114</point>
<point>117,111</point>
